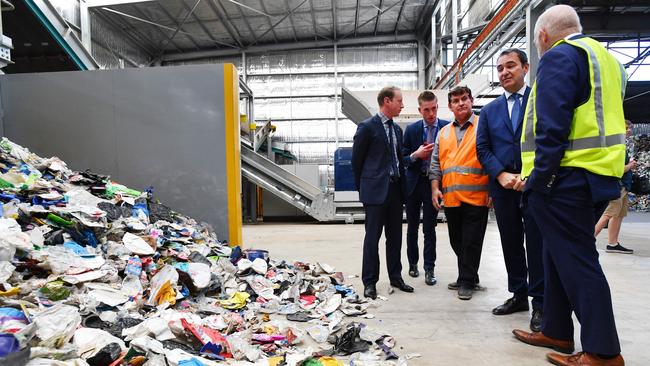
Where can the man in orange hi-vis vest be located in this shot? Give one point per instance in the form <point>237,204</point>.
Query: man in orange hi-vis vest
<point>464,189</point>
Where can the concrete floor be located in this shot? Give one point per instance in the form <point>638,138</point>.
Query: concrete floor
<point>447,331</point>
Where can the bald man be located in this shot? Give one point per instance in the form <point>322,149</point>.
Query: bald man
<point>566,173</point>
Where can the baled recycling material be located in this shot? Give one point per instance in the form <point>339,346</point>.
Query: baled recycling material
<point>640,196</point>
<point>94,273</point>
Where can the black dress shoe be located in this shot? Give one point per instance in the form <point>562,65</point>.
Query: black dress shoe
<point>430,278</point>
<point>536,320</point>
<point>370,292</point>
<point>413,271</point>
<point>400,284</point>
<point>512,305</point>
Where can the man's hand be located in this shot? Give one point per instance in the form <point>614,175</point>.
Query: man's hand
<point>423,152</point>
<point>507,180</point>
<point>490,203</point>
<point>436,197</point>
<point>520,185</point>
<point>631,165</point>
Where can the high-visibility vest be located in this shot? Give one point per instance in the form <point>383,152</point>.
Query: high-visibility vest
<point>463,177</point>
<point>597,137</point>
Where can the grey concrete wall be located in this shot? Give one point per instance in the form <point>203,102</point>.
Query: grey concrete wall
<point>160,127</point>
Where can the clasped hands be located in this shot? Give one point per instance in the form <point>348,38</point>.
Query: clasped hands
<point>511,181</point>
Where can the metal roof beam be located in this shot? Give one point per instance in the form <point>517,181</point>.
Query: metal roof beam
<point>399,16</point>
<point>232,31</point>
<point>99,3</point>
<point>370,20</point>
<point>356,19</point>
<point>293,26</point>
<point>146,48</point>
<point>292,46</point>
<point>170,39</point>
<point>421,16</point>
<point>313,18</point>
<point>143,18</point>
<point>249,8</point>
<point>281,20</point>
<point>246,23</point>
<point>378,14</point>
<point>200,23</point>
<point>175,23</point>
<point>334,20</point>
<point>268,19</point>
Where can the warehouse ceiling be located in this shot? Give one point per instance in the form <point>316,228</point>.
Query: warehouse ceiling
<point>34,48</point>
<point>182,26</point>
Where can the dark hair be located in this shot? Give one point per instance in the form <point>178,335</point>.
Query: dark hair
<point>386,92</point>
<point>521,54</point>
<point>459,90</point>
<point>426,96</point>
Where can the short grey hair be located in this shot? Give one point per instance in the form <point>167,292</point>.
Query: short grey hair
<point>558,21</point>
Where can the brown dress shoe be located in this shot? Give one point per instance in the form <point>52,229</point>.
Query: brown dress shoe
<point>584,359</point>
<point>540,340</point>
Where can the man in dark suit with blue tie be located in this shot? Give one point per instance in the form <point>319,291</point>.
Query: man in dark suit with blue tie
<point>573,152</point>
<point>379,176</point>
<point>419,139</point>
<point>497,147</point>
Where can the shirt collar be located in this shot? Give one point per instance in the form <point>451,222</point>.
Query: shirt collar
<point>572,35</point>
<point>424,123</point>
<point>521,92</point>
<point>470,120</point>
<point>383,117</point>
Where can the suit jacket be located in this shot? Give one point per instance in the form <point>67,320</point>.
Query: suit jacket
<point>498,146</point>
<point>371,161</point>
<point>562,85</point>
<point>413,139</point>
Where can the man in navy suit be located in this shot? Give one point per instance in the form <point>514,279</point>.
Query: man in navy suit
<point>573,151</point>
<point>497,147</point>
<point>419,139</point>
<point>379,176</point>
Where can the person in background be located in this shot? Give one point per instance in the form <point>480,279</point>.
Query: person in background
<point>419,138</point>
<point>379,177</point>
<point>458,178</point>
<point>617,209</point>
<point>497,146</point>
<point>565,172</point>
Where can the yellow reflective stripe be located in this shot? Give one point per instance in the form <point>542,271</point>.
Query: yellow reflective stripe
<point>465,187</point>
<point>595,142</point>
<point>464,170</point>
<point>623,80</point>
<point>598,91</point>
<point>528,144</point>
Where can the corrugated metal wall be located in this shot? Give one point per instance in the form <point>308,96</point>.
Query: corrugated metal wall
<point>299,92</point>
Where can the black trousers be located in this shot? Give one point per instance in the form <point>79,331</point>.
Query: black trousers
<point>466,225</point>
<point>388,217</point>
<point>420,198</point>
<point>524,265</point>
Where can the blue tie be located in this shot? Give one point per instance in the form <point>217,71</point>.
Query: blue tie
<point>516,106</point>
<point>394,170</point>
<point>429,140</point>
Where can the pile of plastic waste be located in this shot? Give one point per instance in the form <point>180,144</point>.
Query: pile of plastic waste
<point>640,151</point>
<point>95,273</point>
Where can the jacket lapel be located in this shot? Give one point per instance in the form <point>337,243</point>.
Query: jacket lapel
<point>524,103</point>
<point>505,113</point>
<point>381,131</point>
<point>419,137</point>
